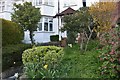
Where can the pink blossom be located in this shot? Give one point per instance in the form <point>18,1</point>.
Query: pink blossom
<point>112,52</point>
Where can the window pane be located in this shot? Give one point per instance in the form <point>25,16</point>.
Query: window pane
<point>40,2</point>
<point>40,26</point>
<point>45,1</point>
<point>51,27</point>
<point>3,3</point>
<point>50,2</point>
<point>0,8</point>
<point>3,8</point>
<point>41,20</point>
<point>46,20</point>
<point>45,26</point>
<point>50,20</point>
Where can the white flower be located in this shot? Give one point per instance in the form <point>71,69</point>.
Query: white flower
<point>70,45</point>
<point>16,75</point>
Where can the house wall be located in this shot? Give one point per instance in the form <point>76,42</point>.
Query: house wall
<point>49,11</point>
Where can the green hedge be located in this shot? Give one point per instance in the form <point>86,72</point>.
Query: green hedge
<point>46,54</point>
<point>54,37</point>
<point>12,33</point>
<point>11,54</point>
<point>37,59</point>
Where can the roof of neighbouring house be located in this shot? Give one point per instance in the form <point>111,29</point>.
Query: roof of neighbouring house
<point>68,11</point>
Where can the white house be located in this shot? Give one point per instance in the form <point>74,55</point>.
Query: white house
<point>47,25</point>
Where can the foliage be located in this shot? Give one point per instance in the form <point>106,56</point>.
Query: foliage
<point>93,44</point>
<point>110,54</point>
<point>42,62</point>
<point>102,15</point>
<point>12,55</point>
<point>54,37</point>
<point>76,22</point>
<point>81,66</point>
<point>27,16</point>
<point>80,22</point>
<point>11,33</point>
<point>71,37</point>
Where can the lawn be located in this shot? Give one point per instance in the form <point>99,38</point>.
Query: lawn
<point>81,65</point>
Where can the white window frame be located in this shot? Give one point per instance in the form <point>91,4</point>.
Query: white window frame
<point>49,21</point>
<point>37,2</point>
<point>48,2</point>
<point>68,3</point>
<point>2,6</point>
<point>41,22</point>
<point>46,21</point>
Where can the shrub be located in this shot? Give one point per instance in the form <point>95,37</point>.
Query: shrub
<point>12,55</point>
<point>42,62</point>
<point>110,54</point>
<point>54,37</point>
<point>12,33</point>
<point>92,44</point>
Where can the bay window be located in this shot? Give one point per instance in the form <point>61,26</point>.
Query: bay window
<point>48,24</point>
<point>45,24</point>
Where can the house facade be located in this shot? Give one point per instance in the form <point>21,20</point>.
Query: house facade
<point>47,25</point>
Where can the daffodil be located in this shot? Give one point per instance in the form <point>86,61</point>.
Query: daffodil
<point>45,66</point>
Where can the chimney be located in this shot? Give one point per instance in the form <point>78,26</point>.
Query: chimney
<point>84,3</point>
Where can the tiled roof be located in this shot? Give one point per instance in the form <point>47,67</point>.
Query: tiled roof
<point>66,12</point>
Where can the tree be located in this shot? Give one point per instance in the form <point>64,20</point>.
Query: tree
<point>80,22</point>
<point>27,16</point>
<point>102,14</point>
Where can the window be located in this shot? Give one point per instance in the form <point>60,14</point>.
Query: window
<point>51,27</point>
<point>48,2</point>
<point>38,2</point>
<point>40,26</point>
<point>45,26</point>
<point>2,6</point>
<point>51,24</point>
<point>69,3</point>
<point>48,24</point>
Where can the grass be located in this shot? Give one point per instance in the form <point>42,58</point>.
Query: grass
<point>82,65</point>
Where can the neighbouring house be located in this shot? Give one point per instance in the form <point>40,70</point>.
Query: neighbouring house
<point>116,15</point>
<point>47,25</point>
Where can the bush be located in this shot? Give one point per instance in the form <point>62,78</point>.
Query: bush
<point>110,53</point>
<point>12,33</point>
<point>93,44</point>
<point>42,61</point>
<point>54,37</point>
<point>12,55</point>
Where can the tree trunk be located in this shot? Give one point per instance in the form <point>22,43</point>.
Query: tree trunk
<point>31,37</point>
<point>88,41</point>
<point>91,31</point>
<point>81,44</point>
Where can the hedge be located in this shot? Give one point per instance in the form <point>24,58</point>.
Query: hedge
<point>49,53</point>
<point>42,61</point>
<point>54,37</point>
<point>12,55</point>
<point>12,33</point>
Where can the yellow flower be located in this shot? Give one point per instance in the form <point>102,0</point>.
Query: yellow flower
<point>45,66</point>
